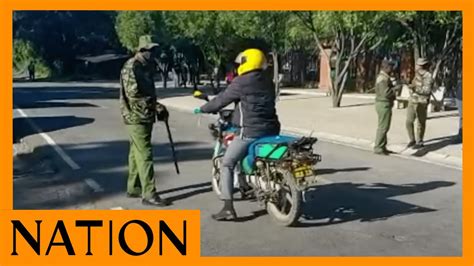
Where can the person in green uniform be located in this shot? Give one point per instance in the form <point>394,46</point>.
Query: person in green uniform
<point>385,92</point>
<point>138,104</point>
<point>418,103</point>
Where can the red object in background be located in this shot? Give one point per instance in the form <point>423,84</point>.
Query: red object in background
<point>229,77</point>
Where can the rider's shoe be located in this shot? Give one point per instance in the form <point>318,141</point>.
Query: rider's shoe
<point>227,213</point>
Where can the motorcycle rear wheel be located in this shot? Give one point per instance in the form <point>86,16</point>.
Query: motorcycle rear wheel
<point>288,208</point>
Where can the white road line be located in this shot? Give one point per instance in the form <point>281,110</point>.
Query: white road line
<point>50,141</point>
<point>94,185</point>
<point>117,208</point>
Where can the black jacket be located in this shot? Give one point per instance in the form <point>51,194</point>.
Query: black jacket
<point>255,113</point>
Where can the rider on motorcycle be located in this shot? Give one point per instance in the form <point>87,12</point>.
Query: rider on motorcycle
<point>255,117</point>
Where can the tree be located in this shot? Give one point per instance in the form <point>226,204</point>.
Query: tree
<point>165,63</point>
<point>269,26</point>
<point>347,34</point>
<point>24,52</point>
<point>130,25</point>
<point>60,36</point>
<point>210,31</point>
<point>435,35</point>
<point>300,44</point>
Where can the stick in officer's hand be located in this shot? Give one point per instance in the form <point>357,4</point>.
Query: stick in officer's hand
<point>163,115</point>
<point>172,146</point>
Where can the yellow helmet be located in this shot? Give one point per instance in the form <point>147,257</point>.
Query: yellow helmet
<point>249,60</point>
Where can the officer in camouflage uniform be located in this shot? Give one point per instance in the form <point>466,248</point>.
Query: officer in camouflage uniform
<point>385,92</point>
<point>139,108</point>
<point>418,103</point>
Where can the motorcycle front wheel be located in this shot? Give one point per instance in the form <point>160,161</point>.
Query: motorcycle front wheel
<point>287,208</point>
<point>216,175</point>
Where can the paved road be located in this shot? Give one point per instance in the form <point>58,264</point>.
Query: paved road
<point>365,205</point>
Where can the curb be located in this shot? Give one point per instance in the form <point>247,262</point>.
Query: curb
<point>363,144</point>
<point>359,143</point>
<point>315,93</point>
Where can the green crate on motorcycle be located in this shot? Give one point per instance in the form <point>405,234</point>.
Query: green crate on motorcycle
<point>270,151</point>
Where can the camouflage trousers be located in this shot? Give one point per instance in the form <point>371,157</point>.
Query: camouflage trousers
<point>141,178</point>
<point>418,112</point>
<point>384,114</point>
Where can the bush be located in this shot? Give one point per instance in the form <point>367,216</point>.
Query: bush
<point>23,53</point>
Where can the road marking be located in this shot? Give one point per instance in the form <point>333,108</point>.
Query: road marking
<point>94,185</point>
<point>68,160</point>
<point>117,208</point>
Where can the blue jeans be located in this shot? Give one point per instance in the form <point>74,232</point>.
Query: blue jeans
<point>234,154</point>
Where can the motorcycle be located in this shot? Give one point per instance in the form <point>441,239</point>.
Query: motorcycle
<point>277,168</point>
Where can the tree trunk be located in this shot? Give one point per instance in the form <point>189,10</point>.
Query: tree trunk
<point>303,63</point>
<point>416,49</point>
<point>290,57</point>
<point>302,75</point>
<point>368,77</point>
<point>337,98</point>
<point>335,101</point>
<point>361,72</point>
<point>407,65</point>
<point>175,78</point>
<point>164,76</point>
<point>275,74</point>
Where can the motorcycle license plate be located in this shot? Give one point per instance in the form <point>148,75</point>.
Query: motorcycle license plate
<point>303,171</point>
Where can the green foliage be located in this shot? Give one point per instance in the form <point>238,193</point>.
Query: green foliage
<point>130,25</point>
<point>23,54</point>
<point>211,30</point>
<point>58,37</point>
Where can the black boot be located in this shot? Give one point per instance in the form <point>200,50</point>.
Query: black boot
<point>419,145</point>
<point>227,213</point>
<point>156,201</point>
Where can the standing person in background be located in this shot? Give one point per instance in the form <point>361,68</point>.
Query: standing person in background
<point>31,70</point>
<point>418,103</point>
<point>385,92</point>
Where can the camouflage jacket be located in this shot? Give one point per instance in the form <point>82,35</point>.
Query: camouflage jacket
<point>137,92</point>
<point>421,87</point>
<point>384,89</point>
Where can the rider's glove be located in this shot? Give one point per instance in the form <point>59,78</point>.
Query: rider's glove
<point>197,110</point>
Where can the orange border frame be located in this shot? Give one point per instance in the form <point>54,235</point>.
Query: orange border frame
<point>6,183</point>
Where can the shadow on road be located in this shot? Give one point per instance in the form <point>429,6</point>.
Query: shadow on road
<point>110,172</point>
<point>344,202</point>
<point>327,171</point>
<point>21,127</point>
<point>42,97</point>
<point>434,145</point>
<point>42,104</point>
<point>357,105</point>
